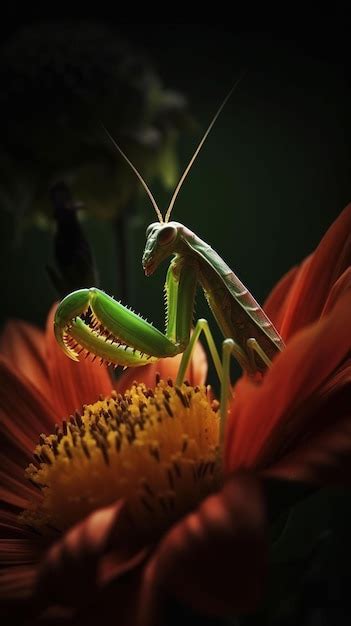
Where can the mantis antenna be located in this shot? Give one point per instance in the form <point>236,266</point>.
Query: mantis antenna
<point>154,203</point>
<point>188,168</point>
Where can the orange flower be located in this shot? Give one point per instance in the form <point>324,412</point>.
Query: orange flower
<point>39,387</point>
<point>295,425</point>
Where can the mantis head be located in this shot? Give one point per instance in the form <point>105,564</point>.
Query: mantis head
<point>162,236</point>
<point>161,242</point>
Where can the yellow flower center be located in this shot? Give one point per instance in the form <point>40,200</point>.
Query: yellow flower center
<point>156,448</point>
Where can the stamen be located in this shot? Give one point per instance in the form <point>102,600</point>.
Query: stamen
<point>155,448</point>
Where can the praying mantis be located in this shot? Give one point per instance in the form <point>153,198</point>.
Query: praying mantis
<point>88,321</point>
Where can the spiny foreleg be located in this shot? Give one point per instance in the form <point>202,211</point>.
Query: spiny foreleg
<point>88,321</point>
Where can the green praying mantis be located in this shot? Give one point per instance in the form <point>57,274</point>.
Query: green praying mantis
<point>89,321</point>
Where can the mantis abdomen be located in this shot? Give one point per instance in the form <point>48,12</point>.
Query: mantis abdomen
<point>237,313</point>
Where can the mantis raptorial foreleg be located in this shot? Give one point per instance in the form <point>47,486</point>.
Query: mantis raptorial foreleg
<point>89,320</point>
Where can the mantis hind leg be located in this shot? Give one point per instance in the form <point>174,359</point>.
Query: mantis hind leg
<point>201,326</point>
<point>229,349</point>
<point>247,361</point>
<point>254,348</point>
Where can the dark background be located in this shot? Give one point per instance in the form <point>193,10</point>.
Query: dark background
<point>271,178</point>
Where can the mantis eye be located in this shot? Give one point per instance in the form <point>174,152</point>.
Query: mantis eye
<point>166,235</point>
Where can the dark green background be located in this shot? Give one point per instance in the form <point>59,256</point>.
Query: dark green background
<point>273,175</point>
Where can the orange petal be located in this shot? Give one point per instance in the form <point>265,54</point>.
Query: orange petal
<point>16,586</point>
<point>100,548</point>
<point>331,258</point>
<point>339,288</point>
<point>18,551</point>
<point>196,372</point>
<point>24,412</point>
<point>15,489</point>
<point>265,419</point>
<point>323,456</point>
<point>293,297</point>
<point>275,304</point>
<point>23,346</point>
<point>323,460</point>
<point>214,559</point>
<point>12,528</point>
<point>73,384</point>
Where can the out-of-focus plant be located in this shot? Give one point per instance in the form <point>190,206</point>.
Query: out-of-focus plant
<point>74,262</point>
<point>61,81</point>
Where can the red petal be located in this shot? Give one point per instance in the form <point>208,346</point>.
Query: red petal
<point>23,346</point>
<point>293,297</point>
<point>16,585</point>
<point>95,551</point>
<point>24,412</point>
<point>324,455</point>
<point>196,372</point>
<point>275,304</point>
<point>15,489</point>
<point>264,419</point>
<point>18,552</point>
<point>339,288</point>
<point>95,568</point>
<point>214,559</point>
<point>12,528</point>
<point>311,289</point>
<point>73,384</point>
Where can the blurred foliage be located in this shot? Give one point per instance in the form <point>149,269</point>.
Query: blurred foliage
<point>308,581</point>
<point>74,262</point>
<point>62,82</point>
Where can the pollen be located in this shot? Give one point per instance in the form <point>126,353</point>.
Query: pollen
<point>155,448</point>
